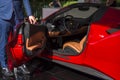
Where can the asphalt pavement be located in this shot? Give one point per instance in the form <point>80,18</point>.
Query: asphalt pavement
<point>44,70</point>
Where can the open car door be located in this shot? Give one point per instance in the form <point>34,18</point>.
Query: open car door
<point>26,42</point>
<point>34,38</point>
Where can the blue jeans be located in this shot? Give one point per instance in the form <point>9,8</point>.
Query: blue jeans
<point>5,27</point>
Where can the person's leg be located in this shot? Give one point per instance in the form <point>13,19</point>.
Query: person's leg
<point>4,30</point>
<point>17,21</point>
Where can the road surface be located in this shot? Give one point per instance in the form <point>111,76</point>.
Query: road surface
<point>44,70</point>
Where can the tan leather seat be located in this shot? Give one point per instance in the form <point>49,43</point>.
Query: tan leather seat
<point>77,46</point>
<point>35,36</point>
<point>35,41</point>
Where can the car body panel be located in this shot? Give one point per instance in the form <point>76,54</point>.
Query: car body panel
<point>102,49</point>
<point>100,56</point>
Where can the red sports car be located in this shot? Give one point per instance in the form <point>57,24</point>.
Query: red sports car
<point>82,36</point>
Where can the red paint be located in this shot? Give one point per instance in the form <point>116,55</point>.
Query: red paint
<point>102,51</point>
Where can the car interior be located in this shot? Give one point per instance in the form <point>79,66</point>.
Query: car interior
<point>68,31</point>
<point>64,33</point>
<point>34,38</point>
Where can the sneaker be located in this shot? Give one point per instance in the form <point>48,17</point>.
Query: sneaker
<point>24,69</point>
<point>7,72</point>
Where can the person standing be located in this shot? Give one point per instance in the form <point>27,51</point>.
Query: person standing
<point>11,13</point>
<point>55,4</point>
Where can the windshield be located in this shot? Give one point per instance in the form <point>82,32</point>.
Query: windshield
<point>79,12</point>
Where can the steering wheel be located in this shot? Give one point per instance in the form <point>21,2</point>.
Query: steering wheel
<point>69,23</point>
<point>65,25</point>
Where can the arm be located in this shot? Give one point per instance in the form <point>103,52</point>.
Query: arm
<point>29,12</point>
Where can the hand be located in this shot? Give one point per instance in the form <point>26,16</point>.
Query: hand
<point>32,19</point>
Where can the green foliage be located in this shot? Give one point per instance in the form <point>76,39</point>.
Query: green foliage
<point>69,3</point>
